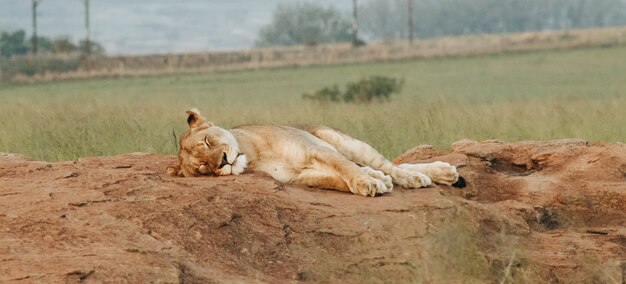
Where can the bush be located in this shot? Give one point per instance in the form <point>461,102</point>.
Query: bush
<point>366,90</point>
<point>327,94</point>
<point>375,87</point>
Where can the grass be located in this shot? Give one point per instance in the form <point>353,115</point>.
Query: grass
<point>528,96</point>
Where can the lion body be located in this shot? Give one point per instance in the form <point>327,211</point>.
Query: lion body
<point>316,156</point>
<point>281,151</point>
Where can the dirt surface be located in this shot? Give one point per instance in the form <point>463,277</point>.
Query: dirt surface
<point>532,211</point>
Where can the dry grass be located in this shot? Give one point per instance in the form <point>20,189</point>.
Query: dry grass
<point>543,95</point>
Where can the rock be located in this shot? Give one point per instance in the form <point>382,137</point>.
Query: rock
<point>531,212</point>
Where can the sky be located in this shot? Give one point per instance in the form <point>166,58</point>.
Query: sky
<point>152,26</point>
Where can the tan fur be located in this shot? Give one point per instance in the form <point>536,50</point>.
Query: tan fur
<point>315,156</point>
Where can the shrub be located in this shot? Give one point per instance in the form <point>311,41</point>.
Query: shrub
<point>375,87</point>
<point>327,94</point>
<point>379,88</point>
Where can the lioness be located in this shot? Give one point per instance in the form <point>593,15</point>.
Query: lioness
<point>315,156</point>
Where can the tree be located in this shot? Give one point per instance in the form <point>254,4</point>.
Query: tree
<point>386,19</point>
<point>93,48</point>
<point>13,43</point>
<point>305,23</point>
<point>63,45</point>
<point>44,45</point>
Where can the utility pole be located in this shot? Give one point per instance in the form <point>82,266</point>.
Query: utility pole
<point>87,29</point>
<point>410,11</point>
<point>1,62</point>
<point>35,3</point>
<point>355,24</point>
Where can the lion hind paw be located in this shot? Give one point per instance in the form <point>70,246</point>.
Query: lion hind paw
<point>386,179</point>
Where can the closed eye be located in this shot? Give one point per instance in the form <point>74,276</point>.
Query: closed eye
<point>206,141</point>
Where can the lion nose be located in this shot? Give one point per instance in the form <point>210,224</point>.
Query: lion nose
<point>224,161</point>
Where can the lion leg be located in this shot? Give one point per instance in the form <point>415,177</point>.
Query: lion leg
<point>354,178</point>
<point>363,154</point>
<point>316,178</point>
<point>320,179</point>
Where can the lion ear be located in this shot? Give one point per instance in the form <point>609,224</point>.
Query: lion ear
<point>195,119</point>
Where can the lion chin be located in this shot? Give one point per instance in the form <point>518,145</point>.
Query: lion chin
<point>236,168</point>
<point>314,156</point>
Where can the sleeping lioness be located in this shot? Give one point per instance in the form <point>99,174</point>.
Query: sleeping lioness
<point>316,156</point>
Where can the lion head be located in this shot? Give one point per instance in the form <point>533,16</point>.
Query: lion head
<point>207,150</point>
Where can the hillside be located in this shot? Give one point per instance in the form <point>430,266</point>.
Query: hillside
<point>550,211</point>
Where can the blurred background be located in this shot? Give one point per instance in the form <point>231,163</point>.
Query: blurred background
<point>145,27</point>
<point>167,26</point>
<point>96,77</point>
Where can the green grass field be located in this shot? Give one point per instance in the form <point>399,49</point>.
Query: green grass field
<point>531,96</point>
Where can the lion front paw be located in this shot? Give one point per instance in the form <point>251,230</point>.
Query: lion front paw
<point>443,173</point>
<point>439,172</point>
<point>366,185</point>
<point>409,179</point>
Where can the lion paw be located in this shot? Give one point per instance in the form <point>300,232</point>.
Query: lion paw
<point>439,172</point>
<point>366,185</point>
<point>409,179</point>
<point>379,175</point>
